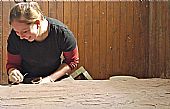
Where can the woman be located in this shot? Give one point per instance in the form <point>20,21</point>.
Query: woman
<point>35,45</point>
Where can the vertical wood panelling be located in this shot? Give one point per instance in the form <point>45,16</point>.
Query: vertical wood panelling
<point>74,17</point>
<point>60,10</point>
<point>96,41</point>
<point>161,40</point>
<point>52,9</point>
<point>109,47</point>
<point>137,49</point>
<point>5,33</point>
<point>114,38</point>
<point>129,38</point>
<point>1,39</point>
<point>103,39</point>
<point>145,37</point>
<point>165,35</point>
<point>154,44</point>
<point>67,15</point>
<point>152,34</point>
<point>88,38</point>
<point>157,39</point>
<point>167,32</point>
<point>140,42</point>
<point>122,38</point>
<point>116,35</point>
<point>81,41</point>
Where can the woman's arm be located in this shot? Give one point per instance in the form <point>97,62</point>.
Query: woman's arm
<point>13,68</point>
<point>13,62</point>
<point>70,62</point>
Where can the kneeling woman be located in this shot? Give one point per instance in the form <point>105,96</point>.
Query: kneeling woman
<point>35,45</point>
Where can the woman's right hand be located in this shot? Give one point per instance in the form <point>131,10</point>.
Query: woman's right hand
<point>15,76</point>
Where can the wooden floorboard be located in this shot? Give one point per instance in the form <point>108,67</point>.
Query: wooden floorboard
<point>88,94</point>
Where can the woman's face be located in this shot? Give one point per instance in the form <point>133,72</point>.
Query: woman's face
<point>25,31</point>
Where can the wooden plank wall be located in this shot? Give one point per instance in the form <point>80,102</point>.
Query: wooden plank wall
<point>159,37</point>
<point>114,37</point>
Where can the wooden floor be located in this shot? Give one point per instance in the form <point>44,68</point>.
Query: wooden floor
<point>89,94</point>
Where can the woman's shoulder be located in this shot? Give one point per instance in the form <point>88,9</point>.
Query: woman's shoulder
<point>58,26</point>
<point>56,22</point>
<point>13,35</point>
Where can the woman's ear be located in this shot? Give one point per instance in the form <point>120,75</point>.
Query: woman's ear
<point>37,22</point>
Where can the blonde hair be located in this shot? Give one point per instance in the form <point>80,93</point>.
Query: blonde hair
<point>26,12</point>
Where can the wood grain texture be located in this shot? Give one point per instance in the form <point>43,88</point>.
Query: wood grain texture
<point>117,93</point>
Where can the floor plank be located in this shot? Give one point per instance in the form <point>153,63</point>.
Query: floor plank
<point>89,94</point>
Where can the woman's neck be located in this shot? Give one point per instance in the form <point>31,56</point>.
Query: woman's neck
<point>43,31</point>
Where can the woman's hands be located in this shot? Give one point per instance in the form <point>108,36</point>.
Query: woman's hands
<point>15,76</point>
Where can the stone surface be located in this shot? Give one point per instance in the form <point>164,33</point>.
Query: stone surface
<point>88,94</point>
